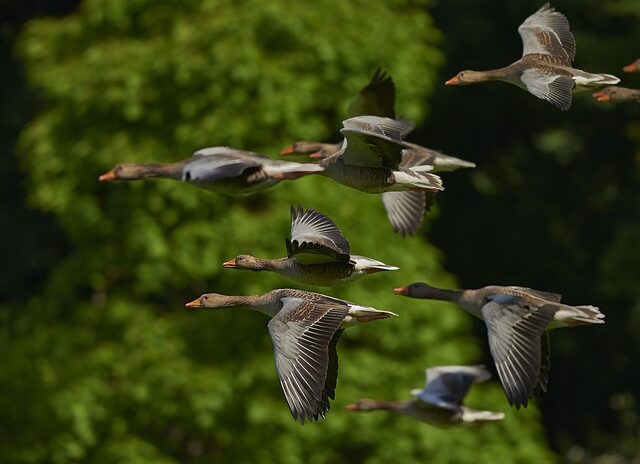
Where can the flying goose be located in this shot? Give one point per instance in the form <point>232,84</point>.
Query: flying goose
<point>370,161</point>
<point>305,328</point>
<point>222,169</point>
<point>517,319</point>
<point>545,69</point>
<point>617,94</point>
<point>317,253</point>
<point>439,403</point>
<point>405,210</point>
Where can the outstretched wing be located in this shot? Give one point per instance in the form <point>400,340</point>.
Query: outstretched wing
<point>547,32</point>
<point>554,88</point>
<point>377,98</point>
<point>405,210</point>
<point>447,386</point>
<point>515,329</point>
<point>304,337</point>
<point>313,232</point>
<point>218,163</point>
<point>373,141</point>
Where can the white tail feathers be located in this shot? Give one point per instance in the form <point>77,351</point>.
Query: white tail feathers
<point>416,179</point>
<point>471,415</point>
<point>608,79</point>
<point>290,170</point>
<point>578,315</point>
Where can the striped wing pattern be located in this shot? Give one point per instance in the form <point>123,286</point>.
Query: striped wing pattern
<point>304,336</point>
<point>547,32</point>
<point>515,331</point>
<point>374,141</point>
<point>313,232</point>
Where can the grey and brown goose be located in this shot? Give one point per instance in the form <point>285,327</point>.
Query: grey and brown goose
<point>440,402</point>
<point>317,253</point>
<point>221,169</point>
<point>305,328</point>
<point>370,161</point>
<point>517,319</point>
<point>546,67</point>
<point>617,94</point>
<point>405,210</point>
<point>633,67</point>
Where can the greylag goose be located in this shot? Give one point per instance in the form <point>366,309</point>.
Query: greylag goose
<point>546,67</point>
<point>617,94</point>
<point>440,402</point>
<point>305,328</point>
<point>370,161</point>
<point>404,209</point>
<point>633,67</point>
<point>221,169</point>
<point>317,253</point>
<point>516,320</point>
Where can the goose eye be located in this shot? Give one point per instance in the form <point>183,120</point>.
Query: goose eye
<point>206,297</point>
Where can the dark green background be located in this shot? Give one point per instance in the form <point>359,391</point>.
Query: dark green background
<point>100,361</point>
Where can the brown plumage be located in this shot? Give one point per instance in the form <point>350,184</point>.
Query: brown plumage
<point>305,328</point>
<point>546,67</point>
<point>516,320</point>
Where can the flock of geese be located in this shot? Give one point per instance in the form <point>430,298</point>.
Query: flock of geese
<point>374,158</point>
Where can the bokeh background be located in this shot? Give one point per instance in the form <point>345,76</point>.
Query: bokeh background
<point>100,361</point>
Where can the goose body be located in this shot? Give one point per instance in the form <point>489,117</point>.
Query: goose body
<point>220,169</point>
<point>517,319</point>
<point>405,209</point>
<point>305,328</point>
<point>617,94</point>
<point>318,253</point>
<point>546,67</point>
<point>440,402</point>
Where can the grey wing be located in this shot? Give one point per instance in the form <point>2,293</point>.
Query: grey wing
<point>515,330</point>
<point>302,333</point>
<point>208,168</point>
<point>373,141</point>
<point>377,98</point>
<point>545,368</point>
<point>547,32</point>
<point>229,152</point>
<point>447,386</point>
<point>313,232</point>
<point>554,88</point>
<point>405,210</point>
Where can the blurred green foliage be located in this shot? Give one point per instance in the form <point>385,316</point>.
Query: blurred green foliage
<point>103,364</point>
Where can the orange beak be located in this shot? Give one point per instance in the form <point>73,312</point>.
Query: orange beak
<point>107,176</point>
<point>601,96</point>
<point>194,304</point>
<point>229,264</point>
<point>400,291</point>
<point>453,81</point>
<point>287,151</point>
<point>631,68</point>
<point>351,407</point>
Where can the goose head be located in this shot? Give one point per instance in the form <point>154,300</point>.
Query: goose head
<point>211,300</point>
<point>418,290</point>
<point>467,77</point>
<point>245,262</point>
<point>315,150</point>
<point>127,171</point>
<point>633,67</point>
